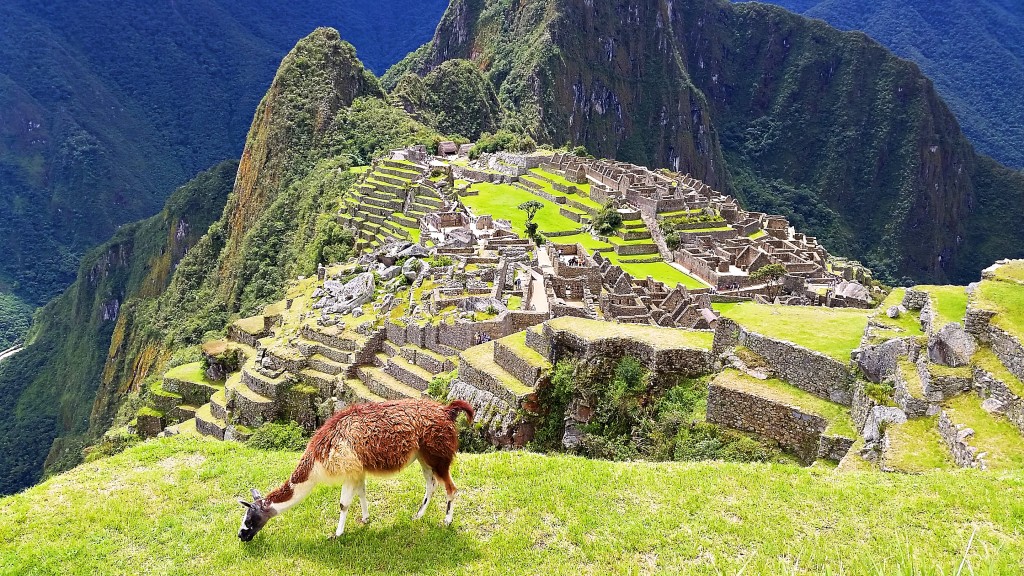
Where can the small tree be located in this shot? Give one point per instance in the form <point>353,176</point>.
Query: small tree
<point>608,220</point>
<point>531,207</point>
<point>770,275</point>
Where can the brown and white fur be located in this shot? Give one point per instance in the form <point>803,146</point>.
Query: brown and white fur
<point>379,439</point>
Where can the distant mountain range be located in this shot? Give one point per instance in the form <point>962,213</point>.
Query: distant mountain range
<point>107,106</point>
<point>972,49</point>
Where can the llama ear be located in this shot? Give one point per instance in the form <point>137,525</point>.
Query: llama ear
<point>244,503</point>
<point>256,494</point>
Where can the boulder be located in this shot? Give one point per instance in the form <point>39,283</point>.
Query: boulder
<point>480,304</point>
<point>854,290</point>
<point>414,250</point>
<point>893,312</point>
<point>952,346</point>
<point>878,416</point>
<point>391,272</point>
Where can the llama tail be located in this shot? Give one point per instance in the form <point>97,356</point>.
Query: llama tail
<point>457,406</point>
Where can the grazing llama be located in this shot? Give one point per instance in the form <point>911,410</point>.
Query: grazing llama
<point>363,439</point>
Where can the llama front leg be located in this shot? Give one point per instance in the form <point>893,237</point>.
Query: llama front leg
<point>362,501</point>
<point>428,478</point>
<point>348,491</point>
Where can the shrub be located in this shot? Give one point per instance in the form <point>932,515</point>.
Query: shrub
<point>673,240</point>
<point>276,436</point>
<point>440,385</point>
<point>113,442</point>
<point>608,220</point>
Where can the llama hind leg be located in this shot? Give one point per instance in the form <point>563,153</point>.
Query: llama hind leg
<point>449,488</point>
<point>428,478</point>
<point>348,491</point>
<point>361,491</point>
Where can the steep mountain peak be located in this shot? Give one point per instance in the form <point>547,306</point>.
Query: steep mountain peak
<point>318,77</point>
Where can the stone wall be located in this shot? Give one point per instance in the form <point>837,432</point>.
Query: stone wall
<point>798,432</point>
<point>1008,349</point>
<point>993,389</point>
<point>955,437</point>
<point>915,299</point>
<point>806,369</point>
<point>499,421</point>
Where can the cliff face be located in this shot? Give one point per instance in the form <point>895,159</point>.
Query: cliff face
<point>48,389</point>
<point>789,114</point>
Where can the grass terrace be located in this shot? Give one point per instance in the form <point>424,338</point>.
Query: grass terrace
<point>948,302</point>
<point>193,372</point>
<point>992,433</point>
<point>585,187</point>
<point>1014,271</point>
<point>987,360</point>
<point>502,201</point>
<point>835,332</point>
<point>168,506</point>
<point>916,447</point>
<point>1006,299</point>
<point>657,337</point>
<point>548,188</point>
<point>481,357</point>
<point>908,324</point>
<point>910,375</point>
<point>838,416</point>
<point>517,343</point>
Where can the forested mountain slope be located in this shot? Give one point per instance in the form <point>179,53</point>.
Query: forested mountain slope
<point>106,107</point>
<point>828,128</point>
<point>972,50</point>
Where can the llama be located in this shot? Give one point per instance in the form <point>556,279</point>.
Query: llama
<point>372,438</point>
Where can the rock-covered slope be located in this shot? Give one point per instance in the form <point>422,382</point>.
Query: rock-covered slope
<point>796,117</point>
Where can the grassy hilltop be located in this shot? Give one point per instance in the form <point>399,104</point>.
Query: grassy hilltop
<point>168,507</point>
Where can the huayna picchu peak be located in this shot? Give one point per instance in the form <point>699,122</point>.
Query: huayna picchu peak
<point>719,284</point>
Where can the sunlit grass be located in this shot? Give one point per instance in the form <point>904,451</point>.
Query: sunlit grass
<point>832,331</point>
<point>168,507</point>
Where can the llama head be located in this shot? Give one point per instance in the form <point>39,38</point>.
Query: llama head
<point>257,514</point>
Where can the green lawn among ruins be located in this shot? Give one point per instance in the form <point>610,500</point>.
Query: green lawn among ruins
<point>832,331</point>
<point>660,271</point>
<point>502,201</point>
<point>908,323</point>
<point>993,434</point>
<point>169,506</point>
<point>1006,299</point>
<point>194,372</point>
<point>948,302</point>
<point>916,447</point>
<point>655,336</point>
<point>837,415</point>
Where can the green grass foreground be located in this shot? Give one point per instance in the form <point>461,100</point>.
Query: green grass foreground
<point>168,507</point>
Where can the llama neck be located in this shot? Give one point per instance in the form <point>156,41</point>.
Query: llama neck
<point>288,495</point>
